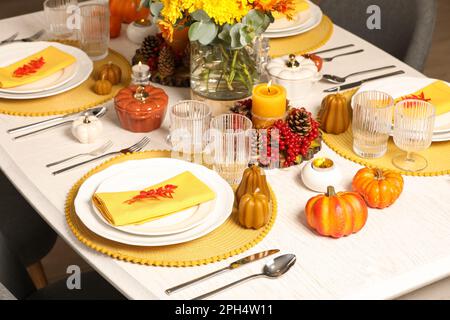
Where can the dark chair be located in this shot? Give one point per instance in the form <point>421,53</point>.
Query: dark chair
<point>406,25</point>
<point>30,237</point>
<point>15,279</point>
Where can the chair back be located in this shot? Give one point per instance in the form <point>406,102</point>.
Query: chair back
<point>406,25</point>
<point>13,275</point>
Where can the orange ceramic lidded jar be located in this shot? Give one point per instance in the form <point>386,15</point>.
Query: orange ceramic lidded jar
<point>141,108</point>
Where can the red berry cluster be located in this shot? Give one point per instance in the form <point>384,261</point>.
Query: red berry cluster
<point>290,144</point>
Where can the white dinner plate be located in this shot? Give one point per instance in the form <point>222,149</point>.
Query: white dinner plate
<point>314,21</point>
<point>51,82</point>
<point>299,20</point>
<point>84,68</point>
<point>156,169</point>
<point>134,179</point>
<point>401,86</point>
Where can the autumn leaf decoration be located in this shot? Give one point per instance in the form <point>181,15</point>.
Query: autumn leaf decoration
<point>154,194</point>
<point>29,68</point>
<point>420,96</point>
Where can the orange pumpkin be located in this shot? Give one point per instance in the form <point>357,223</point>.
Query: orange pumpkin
<point>336,214</point>
<point>128,10</point>
<point>380,188</point>
<point>115,25</point>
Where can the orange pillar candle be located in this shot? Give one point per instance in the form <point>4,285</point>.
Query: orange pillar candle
<point>268,104</point>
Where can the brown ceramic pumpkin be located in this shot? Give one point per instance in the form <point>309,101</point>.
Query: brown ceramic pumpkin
<point>102,87</point>
<point>110,72</point>
<point>253,210</point>
<point>141,109</point>
<point>335,114</point>
<point>253,180</point>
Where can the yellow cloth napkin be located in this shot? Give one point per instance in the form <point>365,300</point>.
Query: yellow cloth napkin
<point>439,93</point>
<point>54,61</point>
<point>190,192</point>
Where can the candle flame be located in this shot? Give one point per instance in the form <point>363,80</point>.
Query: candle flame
<point>269,85</point>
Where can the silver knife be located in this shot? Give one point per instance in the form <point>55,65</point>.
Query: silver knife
<point>358,83</point>
<point>232,266</point>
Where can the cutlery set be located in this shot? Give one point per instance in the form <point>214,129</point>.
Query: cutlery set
<point>31,38</point>
<point>273,269</point>
<point>338,79</point>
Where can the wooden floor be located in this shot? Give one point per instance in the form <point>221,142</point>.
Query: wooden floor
<point>437,66</point>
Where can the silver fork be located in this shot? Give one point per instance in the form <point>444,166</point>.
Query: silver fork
<point>341,55</point>
<point>96,152</point>
<point>134,148</point>
<point>10,38</point>
<point>32,38</point>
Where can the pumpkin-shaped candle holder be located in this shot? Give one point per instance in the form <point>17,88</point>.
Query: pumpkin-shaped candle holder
<point>141,108</point>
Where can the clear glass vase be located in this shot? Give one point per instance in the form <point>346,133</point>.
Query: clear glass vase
<point>221,73</point>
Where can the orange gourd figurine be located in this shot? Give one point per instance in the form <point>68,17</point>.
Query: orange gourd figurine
<point>253,210</point>
<point>253,179</point>
<point>336,214</point>
<point>380,188</point>
<point>110,72</point>
<point>335,114</point>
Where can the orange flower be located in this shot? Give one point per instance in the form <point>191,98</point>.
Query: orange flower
<point>166,30</point>
<point>286,7</point>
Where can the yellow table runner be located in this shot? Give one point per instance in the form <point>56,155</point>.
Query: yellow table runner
<point>304,42</point>
<point>226,241</point>
<point>75,100</point>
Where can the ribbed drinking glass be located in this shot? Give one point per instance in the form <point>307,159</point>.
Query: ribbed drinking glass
<point>413,131</point>
<point>60,18</point>
<point>94,28</point>
<point>189,124</point>
<point>230,136</point>
<point>372,123</point>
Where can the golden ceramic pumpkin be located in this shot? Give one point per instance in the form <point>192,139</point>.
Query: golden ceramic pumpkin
<point>253,180</point>
<point>102,87</point>
<point>110,72</point>
<point>253,210</point>
<point>335,114</point>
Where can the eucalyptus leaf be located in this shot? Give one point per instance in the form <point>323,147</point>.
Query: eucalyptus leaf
<point>200,15</point>
<point>209,32</point>
<point>195,31</point>
<point>246,36</point>
<point>224,35</point>
<point>145,4</point>
<point>155,8</point>
<point>235,34</point>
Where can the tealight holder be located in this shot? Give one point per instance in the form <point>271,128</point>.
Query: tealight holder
<point>137,31</point>
<point>320,173</point>
<point>141,74</point>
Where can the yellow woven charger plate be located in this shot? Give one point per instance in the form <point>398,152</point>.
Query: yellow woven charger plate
<point>227,240</point>
<point>75,100</point>
<point>304,42</point>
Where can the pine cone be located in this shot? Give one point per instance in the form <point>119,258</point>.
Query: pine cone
<point>151,46</point>
<point>166,62</point>
<point>139,57</point>
<point>300,121</point>
<point>243,107</point>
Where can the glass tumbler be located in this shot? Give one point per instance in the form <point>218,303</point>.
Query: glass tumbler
<point>413,131</point>
<point>60,18</point>
<point>372,123</point>
<point>94,28</point>
<point>230,139</point>
<point>189,124</point>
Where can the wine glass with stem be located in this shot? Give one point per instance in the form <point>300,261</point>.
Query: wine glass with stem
<point>413,132</point>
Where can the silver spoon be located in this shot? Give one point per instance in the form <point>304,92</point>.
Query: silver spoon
<point>274,269</point>
<point>336,79</point>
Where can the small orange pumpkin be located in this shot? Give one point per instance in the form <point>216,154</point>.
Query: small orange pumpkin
<point>102,87</point>
<point>380,188</point>
<point>336,214</point>
<point>128,10</point>
<point>110,72</point>
<point>253,210</point>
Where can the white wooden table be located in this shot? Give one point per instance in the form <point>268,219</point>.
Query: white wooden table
<point>402,248</point>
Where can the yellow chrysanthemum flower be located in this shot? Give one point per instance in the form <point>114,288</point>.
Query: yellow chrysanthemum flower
<point>230,11</point>
<point>172,10</point>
